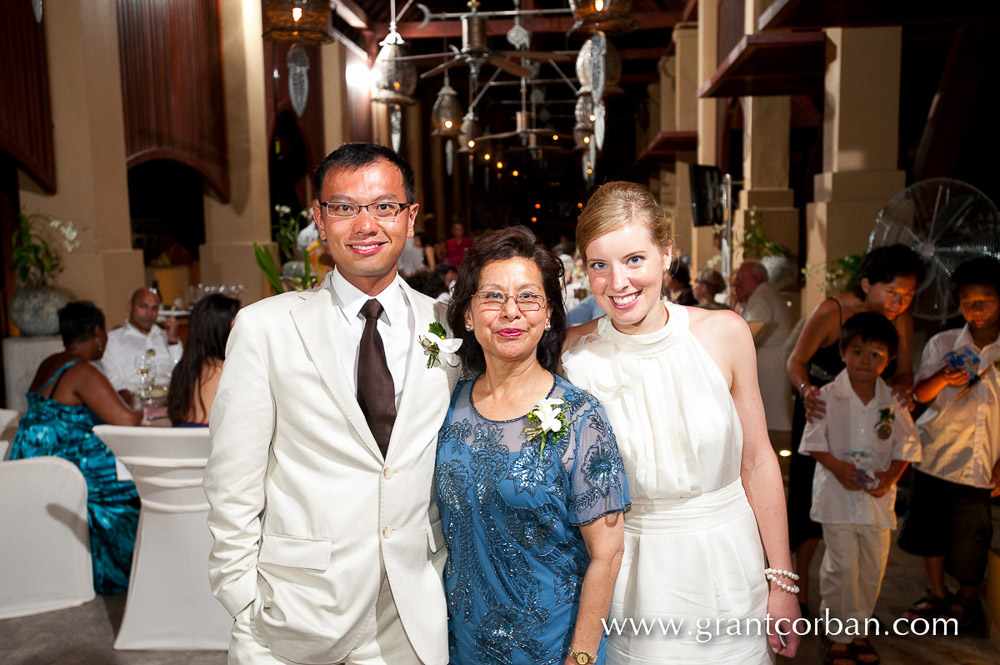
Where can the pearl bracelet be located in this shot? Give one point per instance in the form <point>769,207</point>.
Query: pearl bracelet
<point>771,572</point>
<point>790,588</point>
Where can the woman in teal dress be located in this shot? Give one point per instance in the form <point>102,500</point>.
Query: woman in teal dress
<point>530,485</point>
<point>66,399</point>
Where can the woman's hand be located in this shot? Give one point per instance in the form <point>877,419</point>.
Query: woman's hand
<point>814,404</point>
<point>782,610</point>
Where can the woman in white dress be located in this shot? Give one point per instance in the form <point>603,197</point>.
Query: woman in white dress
<point>679,385</point>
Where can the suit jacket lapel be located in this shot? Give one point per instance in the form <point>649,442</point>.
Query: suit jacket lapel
<point>416,365</point>
<point>313,318</point>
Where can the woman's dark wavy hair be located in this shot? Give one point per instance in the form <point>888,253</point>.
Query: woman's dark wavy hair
<point>77,321</point>
<point>211,319</point>
<point>513,242</point>
<point>884,264</point>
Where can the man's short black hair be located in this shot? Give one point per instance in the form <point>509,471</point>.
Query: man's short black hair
<point>354,156</point>
<point>982,271</point>
<point>869,327</point>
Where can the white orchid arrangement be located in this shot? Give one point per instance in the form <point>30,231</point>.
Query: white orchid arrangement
<point>438,342</point>
<point>548,421</point>
<point>34,260</point>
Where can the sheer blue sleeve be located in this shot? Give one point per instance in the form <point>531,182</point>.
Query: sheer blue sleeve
<point>597,484</point>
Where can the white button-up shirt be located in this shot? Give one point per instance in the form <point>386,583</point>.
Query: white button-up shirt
<point>961,437</point>
<point>848,431</point>
<point>127,342</point>
<point>395,327</point>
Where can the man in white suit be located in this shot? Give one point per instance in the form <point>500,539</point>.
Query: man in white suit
<point>328,546</point>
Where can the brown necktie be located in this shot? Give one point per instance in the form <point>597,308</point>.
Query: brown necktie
<point>376,394</point>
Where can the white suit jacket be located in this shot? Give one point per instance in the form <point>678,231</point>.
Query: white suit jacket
<point>302,504</point>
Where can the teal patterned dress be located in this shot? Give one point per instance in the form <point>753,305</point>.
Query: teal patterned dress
<point>510,517</point>
<point>51,428</point>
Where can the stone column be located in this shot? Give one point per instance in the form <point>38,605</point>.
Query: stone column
<point>702,244</point>
<point>860,147</point>
<point>334,95</point>
<point>685,118</point>
<point>231,229</point>
<point>89,134</point>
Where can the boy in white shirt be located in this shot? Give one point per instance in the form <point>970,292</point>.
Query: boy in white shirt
<point>948,518</point>
<point>863,444</point>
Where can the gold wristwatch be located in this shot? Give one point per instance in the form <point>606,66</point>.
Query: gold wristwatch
<point>582,657</point>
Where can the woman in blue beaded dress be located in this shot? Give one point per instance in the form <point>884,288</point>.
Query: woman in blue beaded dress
<point>65,400</point>
<point>530,484</point>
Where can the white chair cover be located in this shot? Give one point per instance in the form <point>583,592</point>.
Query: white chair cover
<point>45,547</point>
<point>7,416</point>
<point>170,603</point>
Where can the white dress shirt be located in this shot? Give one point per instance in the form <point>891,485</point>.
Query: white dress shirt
<point>848,431</point>
<point>127,342</point>
<point>395,327</point>
<point>961,438</point>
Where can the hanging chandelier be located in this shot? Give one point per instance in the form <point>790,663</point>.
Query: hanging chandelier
<point>303,21</point>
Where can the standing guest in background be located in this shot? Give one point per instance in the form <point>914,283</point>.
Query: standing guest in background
<point>141,335</point>
<point>531,518</point>
<point>887,280</point>
<point>758,302</point>
<point>863,444</point>
<point>67,398</point>
<point>680,388</point>
<point>677,285</point>
<point>327,543</point>
<point>457,245</point>
<point>948,519</point>
<point>196,377</point>
<point>708,284</point>
<point>420,238</point>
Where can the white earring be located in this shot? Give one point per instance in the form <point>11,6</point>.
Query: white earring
<point>548,325</point>
<point>468,326</point>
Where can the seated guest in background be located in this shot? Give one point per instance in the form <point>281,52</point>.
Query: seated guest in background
<point>587,310</point>
<point>677,284</point>
<point>458,244</point>
<point>758,301</point>
<point>531,516</point>
<point>708,284</point>
<point>138,336</point>
<point>66,399</point>
<point>449,273</point>
<point>193,383</point>
<point>428,282</point>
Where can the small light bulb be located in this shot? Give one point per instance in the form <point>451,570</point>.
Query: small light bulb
<point>486,157</point>
<point>593,117</point>
<point>579,205</point>
<point>586,139</point>
<point>534,219</point>
<point>499,164</point>
<point>555,137</point>
<point>472,144</point>
<point>538,206</point>
<point>515,173</point>
<point>589,171</point>
<point>296,14</point>
<point>448,124</point>
<point>785,452</point>
<point>599,5</point>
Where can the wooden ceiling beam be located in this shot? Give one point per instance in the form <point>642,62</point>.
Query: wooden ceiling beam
<point>533,24</point>
<point>353,14</point>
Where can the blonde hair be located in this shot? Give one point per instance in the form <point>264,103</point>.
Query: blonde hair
<point>616,204</point>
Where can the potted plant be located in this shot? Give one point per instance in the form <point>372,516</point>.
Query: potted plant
<point>36,261</point>
<point>293,274</point>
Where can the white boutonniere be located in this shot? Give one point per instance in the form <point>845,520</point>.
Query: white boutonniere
<point>548,421</point>
<point>438,342</point>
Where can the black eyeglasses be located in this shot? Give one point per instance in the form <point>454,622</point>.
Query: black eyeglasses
<point>378,209</point>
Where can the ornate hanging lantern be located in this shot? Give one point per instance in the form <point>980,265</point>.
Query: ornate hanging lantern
<point>304,21</point>
<point>609,16</point>
<point>583,130</point>
<point>599,66</point>
<point>446,115</point>
<point>394,79</point>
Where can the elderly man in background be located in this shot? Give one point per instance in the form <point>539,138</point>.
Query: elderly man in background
<point>770,319</point>
<point>141,336</point>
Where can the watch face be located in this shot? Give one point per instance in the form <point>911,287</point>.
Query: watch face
<point>582,657</point>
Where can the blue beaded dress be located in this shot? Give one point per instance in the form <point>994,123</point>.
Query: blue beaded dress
<point>60,430</point>
<point>510,516</point>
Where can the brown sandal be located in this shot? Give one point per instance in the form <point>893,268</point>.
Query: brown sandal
<point>864,653</point>
<point>832,655</point>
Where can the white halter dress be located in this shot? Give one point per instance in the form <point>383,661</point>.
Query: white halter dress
<point>691,587</point>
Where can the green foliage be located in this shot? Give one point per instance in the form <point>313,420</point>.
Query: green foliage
<point>840,275</point>
<point>34,261</point>
<point>281,283</point>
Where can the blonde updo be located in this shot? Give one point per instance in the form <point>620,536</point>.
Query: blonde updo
<point>616,204</point>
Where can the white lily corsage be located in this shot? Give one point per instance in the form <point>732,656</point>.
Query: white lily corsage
<point>437,343</point>
<point>548,421</point>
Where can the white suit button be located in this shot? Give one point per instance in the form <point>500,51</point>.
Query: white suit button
<point>387,473</point>
<point>386,532</point>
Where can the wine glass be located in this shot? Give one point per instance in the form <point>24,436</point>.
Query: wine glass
<point>143,365</point>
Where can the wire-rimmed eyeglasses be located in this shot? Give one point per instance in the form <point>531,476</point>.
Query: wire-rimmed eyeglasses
<point>495,300</point>
<point>377,209</point>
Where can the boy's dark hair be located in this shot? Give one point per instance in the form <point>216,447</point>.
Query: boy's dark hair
<point>427,282</point>
<point>355,156</point>
<point>983,271</point>
<point>884,264</point>
<point>870,327</point>
<point>77,321</point>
